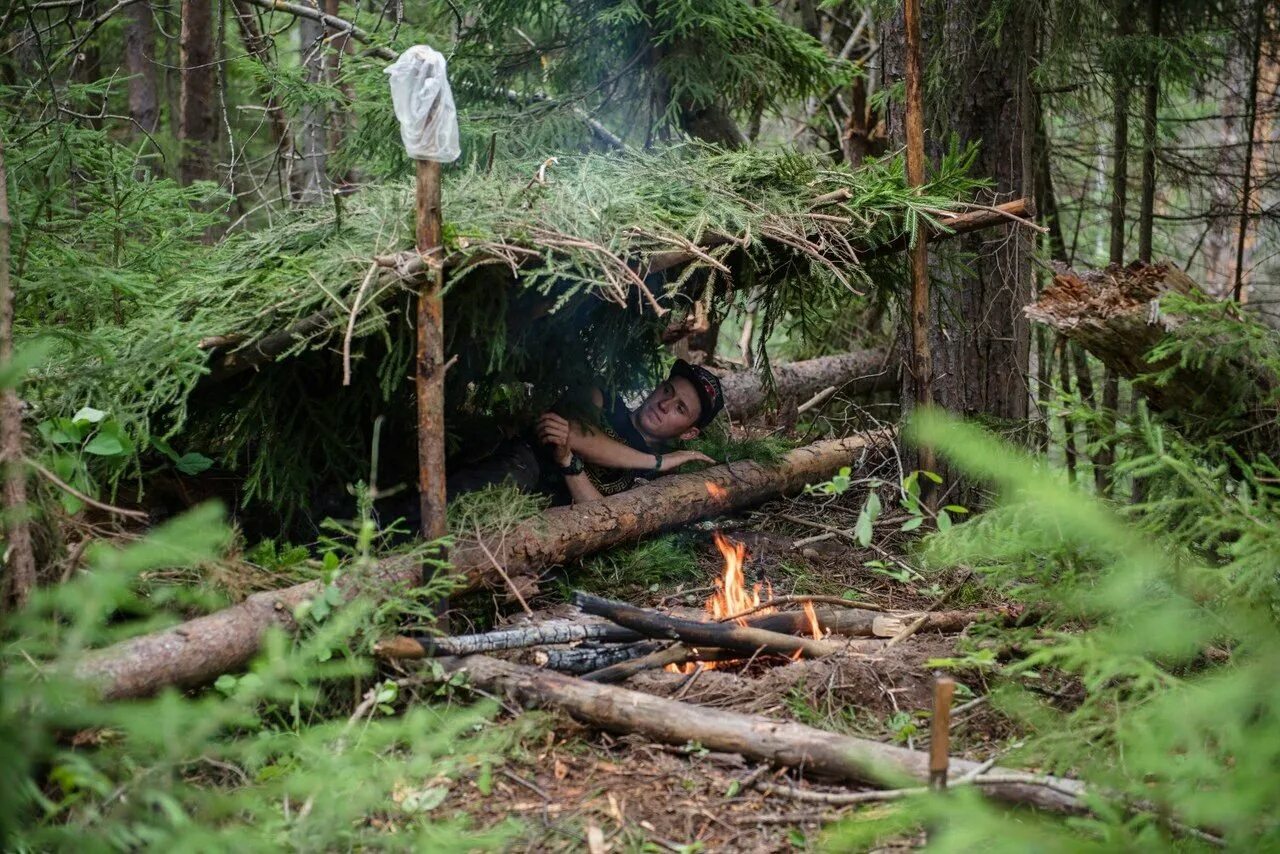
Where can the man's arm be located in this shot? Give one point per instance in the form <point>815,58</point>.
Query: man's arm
<point>601,450</point>
<point>581,489</point>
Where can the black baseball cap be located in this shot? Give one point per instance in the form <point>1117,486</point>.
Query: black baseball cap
<point>706,384</point>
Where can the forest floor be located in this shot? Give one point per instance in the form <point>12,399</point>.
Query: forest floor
<point>571,786</point>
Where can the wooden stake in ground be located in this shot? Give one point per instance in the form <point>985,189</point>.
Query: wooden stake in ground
<point>20,577</point>
<point>921,359</point>
<point>944,688</point>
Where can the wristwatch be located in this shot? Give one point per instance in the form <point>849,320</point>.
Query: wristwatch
<point>575,466</point>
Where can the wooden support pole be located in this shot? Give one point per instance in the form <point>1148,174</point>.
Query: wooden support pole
<point>921,358</point>
<point>430,373</point>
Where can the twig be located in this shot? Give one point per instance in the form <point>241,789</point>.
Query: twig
<point>351,324</point>
<point>92,502</point>
<point>510,584</point>
<point>817,399</point>
<point>923,618</point>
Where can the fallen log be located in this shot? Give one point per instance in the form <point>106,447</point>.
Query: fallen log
<point>728,636</point>
<point>863,372</point>
<point>793,745</point>
<point>1117,315</point>
<point>202,649</point>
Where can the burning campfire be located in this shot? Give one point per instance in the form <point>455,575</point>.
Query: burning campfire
<point>732,600</point>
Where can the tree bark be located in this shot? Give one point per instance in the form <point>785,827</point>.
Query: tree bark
<point>979,340</point>
<point>312,144</point>
<point>197,127</point>
<point>1150,114</point>
<point>1116,315</point>
<point>259,46</point>
<point>516,637</point>
<point>818,752</point>
<point>863,372</point>
<point>20,562</point>
<point>139,57</point>
<point>202,649</point>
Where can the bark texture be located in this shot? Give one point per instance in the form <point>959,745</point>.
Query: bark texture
<point>979,340</point>
<point>204,648</point>
<point>197,127</point>
<point>313,139</point>
<point>793,745</point>
<point>139,59</point>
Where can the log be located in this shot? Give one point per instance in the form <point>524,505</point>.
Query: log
<point>859,623</point>
<point>1116,314</point>
<point>676,653</point>
<point>548,633</point>
<point>729,636</point>
<point>793,745</point>
<point>863,372</point>
<point>585,659</point>
<point>202,649</point>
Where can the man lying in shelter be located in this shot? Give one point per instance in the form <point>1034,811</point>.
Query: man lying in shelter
<point>574,462</point>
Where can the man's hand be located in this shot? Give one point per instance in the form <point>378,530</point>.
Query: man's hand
<point>675,459</point>
<point>553,430</point>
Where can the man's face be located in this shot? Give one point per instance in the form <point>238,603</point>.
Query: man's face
<point>670,410</point>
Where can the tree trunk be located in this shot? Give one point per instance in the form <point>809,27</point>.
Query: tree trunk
<point>1150,113</point>
<point>818,752</point>
<point>863,372</point>
<point>202,649</point>
<point>1110,314</point>
<point>197,125</point>
<point>259,46</point>
<point>312,182</point>
<point>979,340</point>
<point>20,560</point>
<point>139,58</point>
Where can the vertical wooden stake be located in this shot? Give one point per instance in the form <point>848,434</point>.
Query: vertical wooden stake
<point>921,359</point>
<point>430,361</point>
<point>944,688</point>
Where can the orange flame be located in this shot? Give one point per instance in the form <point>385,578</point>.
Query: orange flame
<point>731,596</point>
<point>716,491</point>
<point>812,616</point>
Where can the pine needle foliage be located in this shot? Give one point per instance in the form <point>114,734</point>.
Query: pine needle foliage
<point>568,232</point>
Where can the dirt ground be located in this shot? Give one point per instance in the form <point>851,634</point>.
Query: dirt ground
<point>582,789</point>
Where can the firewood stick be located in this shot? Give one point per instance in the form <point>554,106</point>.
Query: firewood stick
<point>586,659</point>
<point>722,635</point>
<point>551,632</point>
<point>859,623</point>
<point>756,737</point>
<point>677,653</point>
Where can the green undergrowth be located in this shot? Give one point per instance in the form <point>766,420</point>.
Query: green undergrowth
<point>1164,619</point>
<point>268,758</point>
<point>647,567</point>
<point>719,444</point>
